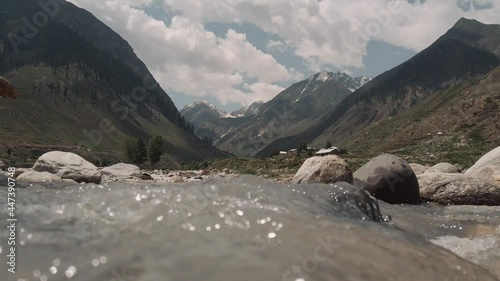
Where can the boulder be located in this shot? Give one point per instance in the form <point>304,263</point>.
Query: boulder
<point>390,179</point>
<point>417,168</point>
<point>20,171</point>
<point>2,166</point>
<point>68,166</point>
<point>32,176</point>
<point>491,158</point>
<point>327,169</point>
<point>121,171</point>
<point>458,189</point>
<point>488,173</point>
<point>443,168</point>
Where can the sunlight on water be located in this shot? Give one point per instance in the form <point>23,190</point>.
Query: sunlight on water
<point>246,227</point>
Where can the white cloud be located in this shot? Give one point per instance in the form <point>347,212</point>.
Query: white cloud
<point>191,60</point>
<point>337,32</point>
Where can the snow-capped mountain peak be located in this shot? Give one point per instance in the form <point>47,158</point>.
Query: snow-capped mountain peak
<point>323,76</point>
<point>251,110</point>
<point>315,81</point>
<point>206,106</point>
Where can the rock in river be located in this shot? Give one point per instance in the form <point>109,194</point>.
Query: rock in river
<point>68,166</point>
<point>121,171</point>
<point>491,158</point>
<point>489,173</point>
<point>458,189</point>
<point>33,176</point>
<point>389,178</point>
<point>327,169</point>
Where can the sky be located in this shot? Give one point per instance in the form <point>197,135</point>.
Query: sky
<point>235,52</point>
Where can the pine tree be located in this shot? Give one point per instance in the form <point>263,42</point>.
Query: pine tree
<point>141,153</point>
<point>155,149</point>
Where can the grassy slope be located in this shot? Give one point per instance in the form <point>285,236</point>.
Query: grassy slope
<point>36,123</point>
<point>468,115</point>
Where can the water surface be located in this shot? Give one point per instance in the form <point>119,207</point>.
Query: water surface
<point>244,229</point>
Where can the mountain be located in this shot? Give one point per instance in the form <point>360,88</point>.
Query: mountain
<point>83,89</point>
<point>455,125</point>
<point>203,110</point>
<point>298,107</point>
<point>469,50</point>
<point>211,122</point>
<point>249,111</point>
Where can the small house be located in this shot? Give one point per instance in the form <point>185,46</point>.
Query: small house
<point>328,151</point>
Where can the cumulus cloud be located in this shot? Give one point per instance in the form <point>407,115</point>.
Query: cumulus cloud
<point>187,58</point>
<point>337,32</point>
<point>191,60</point>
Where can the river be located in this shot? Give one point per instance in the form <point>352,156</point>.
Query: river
<point>243,228</point>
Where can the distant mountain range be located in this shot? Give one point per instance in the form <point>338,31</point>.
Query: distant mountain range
<point>294,109</point>
<point>247,130</point>
<point>455,80</point>
<point>83,89</point>
<point>212,122</point>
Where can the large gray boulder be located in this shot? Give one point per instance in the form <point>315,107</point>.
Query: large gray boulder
<point>68,166</point>
<point>121,171</point>
<point>327,169</point>
<point>443,168</point>
<point>390,179</point>
<point>491,158</point>
<point>458,189</point>
<point>488,173</point>
<point>32,176</point>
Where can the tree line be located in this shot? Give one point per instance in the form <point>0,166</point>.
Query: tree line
<point>138,153</point>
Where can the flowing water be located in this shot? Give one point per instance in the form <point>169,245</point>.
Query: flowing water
<point>243,229</point>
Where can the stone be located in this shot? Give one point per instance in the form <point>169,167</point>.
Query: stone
<point>32,176</point>
<point>68,166</point>
<point>145,177</point>
<point>2,166</point>
<point>177,179</point>
<point>327,169</point>
<point>417,168</point>
<point>389,178</point>
<point>20,171</point>
<point>458,189</point>
<point>491,158</point>
<point>443,168</point>
<point>122,171</point>
<point>488,173</point>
